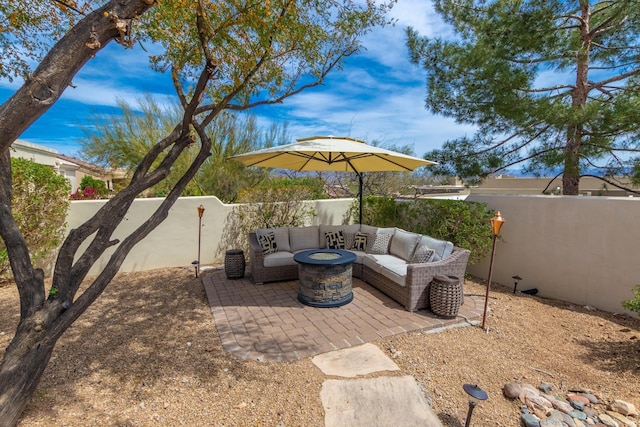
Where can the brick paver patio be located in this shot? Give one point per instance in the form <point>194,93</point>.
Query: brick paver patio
<point>268,323</point>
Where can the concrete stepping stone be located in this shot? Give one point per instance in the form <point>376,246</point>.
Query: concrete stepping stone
<point>376,402</point>
<point>354,361</point>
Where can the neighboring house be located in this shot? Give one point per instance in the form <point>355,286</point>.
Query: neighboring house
<point>509,184</point>
<point>71,168</point>
<point>589,186</point>
<point>75,169</point>
<point>34,152</point>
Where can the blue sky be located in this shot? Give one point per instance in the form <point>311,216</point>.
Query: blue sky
<point>379,95</point>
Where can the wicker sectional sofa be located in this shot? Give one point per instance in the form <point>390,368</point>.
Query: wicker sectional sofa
<point>398,263</point>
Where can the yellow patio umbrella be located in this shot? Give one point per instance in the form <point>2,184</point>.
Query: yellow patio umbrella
<point>330,153</point>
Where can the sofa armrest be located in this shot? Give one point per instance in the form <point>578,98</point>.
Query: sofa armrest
<point>255,251</point>
<point>419,276</point>
<point>256,259</point>
<point>453,265</point>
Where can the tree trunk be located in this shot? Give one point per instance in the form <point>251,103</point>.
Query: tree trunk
<point>571,175</point>
<point>570,184</point>
<point>20,373</point>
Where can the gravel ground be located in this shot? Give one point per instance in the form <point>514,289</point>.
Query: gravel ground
<point>147,353</point>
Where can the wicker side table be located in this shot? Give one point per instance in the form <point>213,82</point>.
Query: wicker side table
<point>234,264</point>
<point>445,295</point>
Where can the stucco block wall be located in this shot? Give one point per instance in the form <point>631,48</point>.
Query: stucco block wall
<point>585,250</point>
<point>174,243</point>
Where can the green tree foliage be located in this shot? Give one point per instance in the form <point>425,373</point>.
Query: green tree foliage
<point>466,224</point>
<point>551,85</point>
<point>121,141</point>
<point>21,19</point>
<point>235,134</point>
<point>40,202</point>
<point>222,55</point>
<point>98,185</point>
<point>308,187</point>
<point>380,211</point>
<point>634,303</point>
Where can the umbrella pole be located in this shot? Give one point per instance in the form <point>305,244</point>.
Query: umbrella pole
<point>360,193</point>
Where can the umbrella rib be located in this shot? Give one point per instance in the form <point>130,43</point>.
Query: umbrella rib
<point>256,163</point>
<point>392,162</point>
<point>320,153</point>
<point>365,155</point>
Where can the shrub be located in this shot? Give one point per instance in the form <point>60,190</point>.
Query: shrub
<point>380,211</point>
<point>87,193</point>
<point>90,188</point>
<point>633,304</point>
<point>312,188</point>
<point>39,206</point>
<point>466,224</point>
<point>267,207</point>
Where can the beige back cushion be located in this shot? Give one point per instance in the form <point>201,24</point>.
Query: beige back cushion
<point>403,244</point>
<point>301,238</point>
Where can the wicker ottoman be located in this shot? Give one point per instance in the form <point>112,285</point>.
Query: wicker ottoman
<point>234,264</point>
<point>445,295</point>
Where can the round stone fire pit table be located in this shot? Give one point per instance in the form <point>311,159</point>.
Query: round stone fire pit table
<point>325,277</point>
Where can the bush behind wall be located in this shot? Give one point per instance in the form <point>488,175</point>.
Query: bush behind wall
<point>466,224</point>
<point>40,199</point>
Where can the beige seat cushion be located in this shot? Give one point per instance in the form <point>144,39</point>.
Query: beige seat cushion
<point>396,273</point>
<point>378,262</point>
<point>278,259</point>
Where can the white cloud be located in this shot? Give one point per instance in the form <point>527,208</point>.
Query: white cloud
<point>388,45</point>
<point>108,92</point>
<point>396,115</point>
<point>378,96</point>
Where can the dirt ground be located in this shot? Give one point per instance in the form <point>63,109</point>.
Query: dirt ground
<point>147,353</point>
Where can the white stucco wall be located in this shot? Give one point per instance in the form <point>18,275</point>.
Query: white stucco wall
<point>175,242</point>
<point>584,250</point>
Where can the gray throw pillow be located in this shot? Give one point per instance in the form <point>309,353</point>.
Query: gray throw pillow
<point>349,239</point>
<point>422,254</point>
<point>442,248</point>
<point>381,244</point>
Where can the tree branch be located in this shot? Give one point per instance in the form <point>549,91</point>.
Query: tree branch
<point>55,72</point>
<point>617,78</point>
<point>69,275</point>
<point>69,6</point>
<point>549,183</point>
<point>524,159</point>
<point>604,26</point>
<point>608,181</point>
